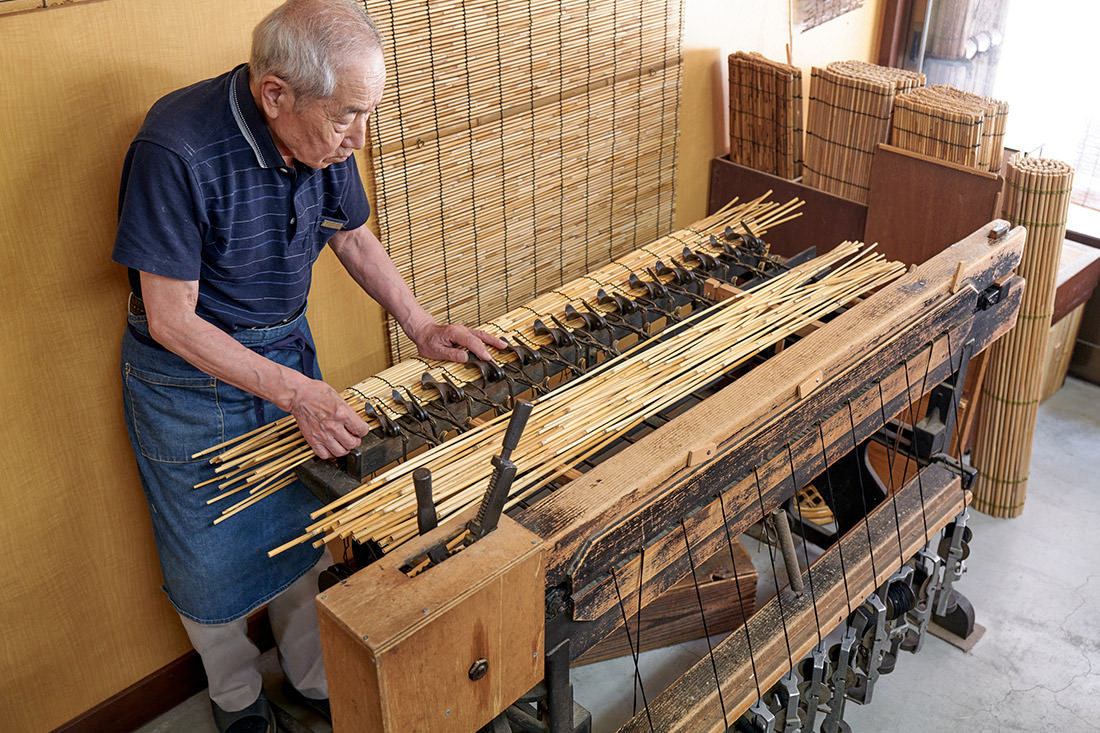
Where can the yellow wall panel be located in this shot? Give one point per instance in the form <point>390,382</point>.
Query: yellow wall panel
<point>81,613</point>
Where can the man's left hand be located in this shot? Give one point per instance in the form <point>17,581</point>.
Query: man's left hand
<point>450,342</point>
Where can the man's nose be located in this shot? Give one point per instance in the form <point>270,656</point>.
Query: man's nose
<point>357,133</point>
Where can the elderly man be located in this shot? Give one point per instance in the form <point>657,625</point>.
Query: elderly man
<point>229,191</point>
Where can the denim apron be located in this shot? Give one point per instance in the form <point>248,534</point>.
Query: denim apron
<point>212,573</point>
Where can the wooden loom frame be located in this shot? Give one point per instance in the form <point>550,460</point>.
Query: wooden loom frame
<point>768,433</point>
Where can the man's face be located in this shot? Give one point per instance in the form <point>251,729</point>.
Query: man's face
<point>320,132</point>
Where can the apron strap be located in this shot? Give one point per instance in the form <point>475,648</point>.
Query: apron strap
<point>293,341</point>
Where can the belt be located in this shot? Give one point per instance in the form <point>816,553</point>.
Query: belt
<point>136,307</point>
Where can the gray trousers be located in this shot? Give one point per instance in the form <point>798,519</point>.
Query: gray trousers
<point>231,659</point>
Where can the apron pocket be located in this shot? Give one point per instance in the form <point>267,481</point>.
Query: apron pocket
<point>172,417</point>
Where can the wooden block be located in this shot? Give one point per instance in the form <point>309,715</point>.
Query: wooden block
<point>399,650</point>
<point>673,617</point>
<point>809,385</point>
<point>718,290</point>
<point>698,455</point>
<point>919,206</point>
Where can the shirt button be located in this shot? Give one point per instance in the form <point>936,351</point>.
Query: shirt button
<point>282,170</point>
<point>293,220</point>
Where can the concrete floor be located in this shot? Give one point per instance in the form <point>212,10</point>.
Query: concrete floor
<point>1033,583</point>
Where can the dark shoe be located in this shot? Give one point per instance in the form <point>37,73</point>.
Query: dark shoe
<point>256,718</point>
<point>319,706</point>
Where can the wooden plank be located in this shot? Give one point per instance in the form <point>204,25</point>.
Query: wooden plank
<point>568,518</point>
<point>918,205</point>
<point>832,219</point>
<point>758,471</point>
<point>388,638</point>
<point>691,703</point>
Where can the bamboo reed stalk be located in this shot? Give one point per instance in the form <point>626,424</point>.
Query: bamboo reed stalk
<point>585,414</point>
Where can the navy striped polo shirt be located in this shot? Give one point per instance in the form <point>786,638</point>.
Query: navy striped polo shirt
<point>206,196</point>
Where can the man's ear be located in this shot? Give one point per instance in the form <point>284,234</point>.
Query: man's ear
<point>276,96</point>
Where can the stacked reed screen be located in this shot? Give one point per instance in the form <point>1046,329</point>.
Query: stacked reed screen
<point>765,114</point>
<point>849,115</point>
<point>521,144</point>
<point>952,125</point>
<point>1037,193</point>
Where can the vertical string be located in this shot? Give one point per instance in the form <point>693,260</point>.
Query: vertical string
<point>395,340</point>
<point>832,503</point>
<point>439,170</point>
<point>703,618</point>
<point>614,126</point>
<point>503,167</point>
<point>633,649</point>
<point>862,493</point>
<point>805,547</point>
<point>534,152</point>
<point>912,448</point>
<point>470,132</point>
<point>638,119</point>
<point>890,452</point>
<point>740,597</point>
<point>561,145</point>
<point>955,396</point>
<point>771,557</point>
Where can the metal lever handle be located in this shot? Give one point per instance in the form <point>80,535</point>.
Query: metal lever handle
<point>504,472</point>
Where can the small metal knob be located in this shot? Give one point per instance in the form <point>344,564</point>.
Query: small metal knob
<point>478,669</point>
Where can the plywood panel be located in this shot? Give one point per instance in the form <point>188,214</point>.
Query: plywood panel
<point>83,617</point>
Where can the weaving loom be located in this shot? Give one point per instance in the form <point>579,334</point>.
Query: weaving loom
<point>451,627</point>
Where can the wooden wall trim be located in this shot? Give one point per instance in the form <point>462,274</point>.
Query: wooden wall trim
<point>160,691</point>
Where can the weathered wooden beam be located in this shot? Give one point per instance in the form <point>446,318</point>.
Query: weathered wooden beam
<point>692,703</point>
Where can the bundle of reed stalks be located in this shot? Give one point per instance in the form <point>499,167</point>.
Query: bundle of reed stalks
<point>952,125</point>
<point>1037,193</point>
<point>584,415</point>
<point>765,114</point>
<point>257,464</point>
<point>849,115</point>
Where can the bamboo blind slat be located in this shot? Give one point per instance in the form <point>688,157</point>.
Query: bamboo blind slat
<point>765,114</point>
<point>849,114</point>
<point>947,123</point>
<point>520,145</point>
<point>1037,193</point>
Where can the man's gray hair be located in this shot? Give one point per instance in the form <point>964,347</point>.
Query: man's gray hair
<point>306,43</point>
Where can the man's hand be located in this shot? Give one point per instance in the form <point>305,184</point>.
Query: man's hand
<point>329,425</point>
<point>450,342</point>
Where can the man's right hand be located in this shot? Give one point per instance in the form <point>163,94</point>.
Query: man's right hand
<point>328,424</point>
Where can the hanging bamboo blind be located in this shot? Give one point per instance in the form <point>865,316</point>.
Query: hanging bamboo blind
<point>816,12</point>
<point>849,114</point>
<point>765,114</point>
<point>947,123</point>
<point>520,145</point>
<point>1037,192</point>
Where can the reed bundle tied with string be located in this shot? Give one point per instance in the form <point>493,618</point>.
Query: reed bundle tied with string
<point>584,415</point>
<point>765,114</point>
<point>849,115</point>
<point>259,463</point>
<point>1037,193</point>
<point>952,125</point>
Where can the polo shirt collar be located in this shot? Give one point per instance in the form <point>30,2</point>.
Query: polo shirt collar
<point>251,122</point>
